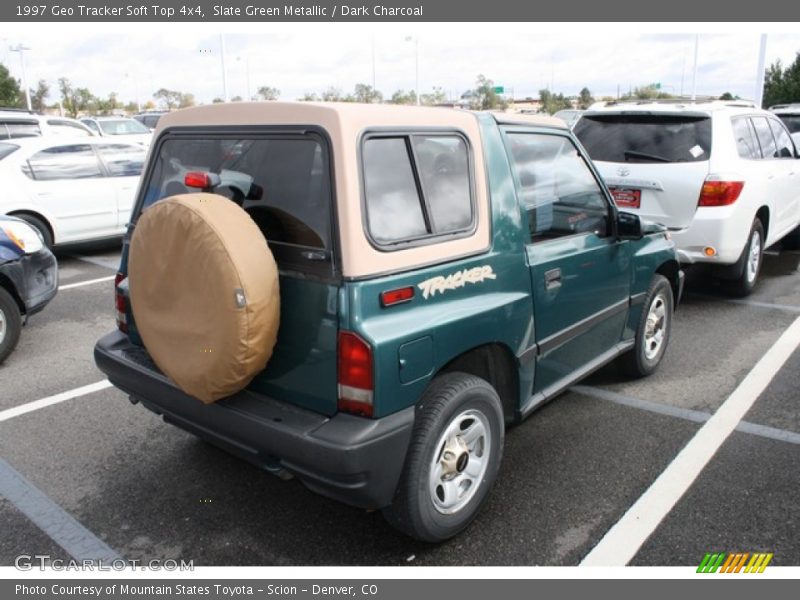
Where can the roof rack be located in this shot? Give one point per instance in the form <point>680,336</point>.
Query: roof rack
<point>787,105</point>
<point>19,110</point>
<point>680,101</point>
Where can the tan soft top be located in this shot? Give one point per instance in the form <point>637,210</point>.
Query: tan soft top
<point>344,123</point>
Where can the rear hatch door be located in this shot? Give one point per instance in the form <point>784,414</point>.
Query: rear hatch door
<point>654,163</point>
<point>283,181</point>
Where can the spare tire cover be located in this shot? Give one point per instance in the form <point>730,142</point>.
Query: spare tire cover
<point>204,293</point>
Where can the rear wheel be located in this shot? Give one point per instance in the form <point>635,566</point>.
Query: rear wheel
<point>10,324</point>
<point>653,332</point>
<point>40,226</point>
<point>453,458</point>
<point>749,265</point>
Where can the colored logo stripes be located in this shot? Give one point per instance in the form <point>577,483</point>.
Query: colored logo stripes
<point>735,562</point>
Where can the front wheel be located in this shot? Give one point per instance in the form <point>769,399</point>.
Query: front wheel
<point>653,332</point>
<point>452,460</point>
<point>10,324</point>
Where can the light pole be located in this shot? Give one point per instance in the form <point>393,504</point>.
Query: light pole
<point>225,95</point>
<point>762,55</point>
<point>21,49</point>
<point>415,39</point>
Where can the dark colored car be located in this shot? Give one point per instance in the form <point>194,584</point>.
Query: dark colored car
<point>28,279</point>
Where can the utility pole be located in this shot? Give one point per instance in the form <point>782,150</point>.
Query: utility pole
<point>415,39</point>
<point>21,49</point>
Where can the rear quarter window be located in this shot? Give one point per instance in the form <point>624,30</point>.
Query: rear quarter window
<point>6,149</point>
<point>416,186</point>
<point>645,138</point>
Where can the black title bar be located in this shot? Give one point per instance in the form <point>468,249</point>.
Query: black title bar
<point>395,10</point>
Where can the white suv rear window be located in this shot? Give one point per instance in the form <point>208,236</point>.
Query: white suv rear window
<point>645,138</point>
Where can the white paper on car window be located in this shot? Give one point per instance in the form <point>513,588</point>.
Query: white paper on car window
<point>696,151</point>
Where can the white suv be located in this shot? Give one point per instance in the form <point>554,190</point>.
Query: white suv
<point>723,176</point>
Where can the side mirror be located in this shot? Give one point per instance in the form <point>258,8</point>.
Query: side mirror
<point>629,227</point>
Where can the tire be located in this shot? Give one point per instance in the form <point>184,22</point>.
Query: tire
<point>434,508</point>
<point>10,324</point>
<point>40,226</point>
<point>749,264</point>
<point>653,332</point>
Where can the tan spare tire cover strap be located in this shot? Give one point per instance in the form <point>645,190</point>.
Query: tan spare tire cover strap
<point>204,293</point>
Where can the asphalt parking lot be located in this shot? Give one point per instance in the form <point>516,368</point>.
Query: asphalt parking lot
<point>148,490</point>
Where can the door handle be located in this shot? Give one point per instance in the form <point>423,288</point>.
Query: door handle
<point>552,279</point>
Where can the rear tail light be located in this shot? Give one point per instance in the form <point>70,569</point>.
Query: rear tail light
<point>355,375</point>
<point>120,303</point>
<point>720,193</point>
<point>201,179</point>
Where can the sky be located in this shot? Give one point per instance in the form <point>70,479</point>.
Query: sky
<point>136,59</point>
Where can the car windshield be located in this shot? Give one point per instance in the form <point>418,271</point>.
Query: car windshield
<point>645,138</point>
<point>122,127</point>
<point>792,122</point>
<point>6,149</point>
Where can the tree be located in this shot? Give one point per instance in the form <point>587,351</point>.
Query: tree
<point>484,97</point>
<point>170,98</point>
<point>782,85</point>
<point>106,106</point>
<point>236,99</point>
<point>217,101</point>
<point>269,93</point>
<point>39,95</point>
<point>10,94</point>
<point>186,100</point>
<point>131,107</point>
<point>651,91</point>
<point>552,103</point>
<point>403,97</point>
<point>436,97</point>
<point>585,98</point>
<point>332,94</point>
<point>367,94</point>
<point>310,97</point>
<point>74,100</point>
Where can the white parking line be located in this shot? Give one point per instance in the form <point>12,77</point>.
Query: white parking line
<point>112,264</point>
<point>623,540</point>
<point>69,286</point>
<point>80,543</point>
<point>10,413</point>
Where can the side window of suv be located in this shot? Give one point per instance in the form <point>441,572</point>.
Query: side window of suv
<point>417,186</point>
<point>746,143</point>
<point>76,161</point>
<point>785,144</point>
<point>769,149</point>
<point>556,188</point>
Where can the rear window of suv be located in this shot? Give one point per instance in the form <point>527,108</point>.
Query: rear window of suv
<point>282,182</point>
<point>645,138</point>
<point>792,122</point>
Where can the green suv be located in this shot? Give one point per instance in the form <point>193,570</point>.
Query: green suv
<point>442,274</point>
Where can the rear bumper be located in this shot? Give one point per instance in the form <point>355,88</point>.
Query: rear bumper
<point>354,460</point>
<point>723,228</point>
